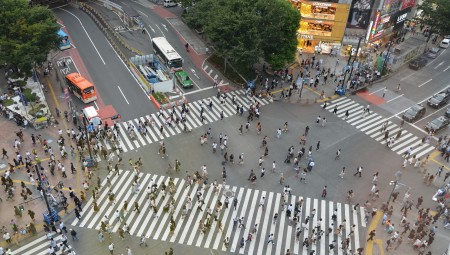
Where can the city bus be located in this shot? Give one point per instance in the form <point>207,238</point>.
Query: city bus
<point>167,53</point>
<point>81,87</point>
<point>64,43</point>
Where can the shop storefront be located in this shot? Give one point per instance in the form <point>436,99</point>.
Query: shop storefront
<point>322,25</point>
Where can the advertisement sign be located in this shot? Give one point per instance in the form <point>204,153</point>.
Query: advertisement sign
<point>408,3</point>
<point>359,14</point>
<point>399,18</point>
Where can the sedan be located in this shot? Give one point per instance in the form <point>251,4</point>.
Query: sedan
<point>437,124</point>
<point>447,113</point>
<point>184,79</point>
<point>439,99</point>
<point>414,113</point>
<point>433,52</point>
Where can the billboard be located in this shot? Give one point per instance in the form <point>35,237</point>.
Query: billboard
<point>399,18</point>
<point>359,14</point>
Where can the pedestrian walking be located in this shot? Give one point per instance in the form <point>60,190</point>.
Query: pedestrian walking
<point>73,233</point>
<point>111,248</point>
<point>338,154</point>
<point>347,114</point>
<point>358,171</point>
<point>270,239</point>
<point>318,146</point>
<point>342,173</point>
<point>324,191</point>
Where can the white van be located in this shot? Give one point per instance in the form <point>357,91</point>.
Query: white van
<point>169,3</point>
<point>444,43</point>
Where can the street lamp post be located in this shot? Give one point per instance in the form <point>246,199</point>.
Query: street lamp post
<point>44,192</point>
<point>87,137</point>
<point>398,177</point>
<point>348,62</point>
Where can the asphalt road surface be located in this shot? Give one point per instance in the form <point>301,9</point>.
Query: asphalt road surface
<point>115,84</point>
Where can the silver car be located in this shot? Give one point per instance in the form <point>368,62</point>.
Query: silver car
<point>433,52</point>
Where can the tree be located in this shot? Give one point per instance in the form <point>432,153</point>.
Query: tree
<point>245,31</point>
<point>27,34</point>
<point>436,14</point>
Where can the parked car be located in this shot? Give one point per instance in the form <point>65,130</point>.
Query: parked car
<point>433,52</point>
<point>414,113</point>
<point>169,3</point>
<point>447,113</point>
<point>437,124</point>
<point>418,63</point>
<point>444,43</point>
<point>184,79</point>
<point>440,99</point>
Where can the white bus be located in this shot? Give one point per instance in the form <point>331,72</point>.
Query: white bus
<point>168,54</point>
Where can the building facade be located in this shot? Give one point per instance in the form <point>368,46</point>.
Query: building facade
<point>322,25</point>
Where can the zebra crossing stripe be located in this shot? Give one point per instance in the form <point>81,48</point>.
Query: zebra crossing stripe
<point>264,226</point>
<point>374,120</point>
<point>272,226</point>
<point>401,151</point>
<point>338,99</point>
<point>126,138</point>
<point>257,221</point>
<point>247,207</point>
<point>150,212</point>
<point>339,221</point>
<point>125,125</point>
<point>31,244</point>
<point>355,236</point>
<point>233,216</point>
<point>254,205</point>
<point>160,124</point>
<point>363,219</point>
<point>148,133</point>
<point>401,145</point>
<point>422,153</point>
<point>91,224</point>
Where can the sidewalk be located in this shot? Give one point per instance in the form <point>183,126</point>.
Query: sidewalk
<point>34,202</point>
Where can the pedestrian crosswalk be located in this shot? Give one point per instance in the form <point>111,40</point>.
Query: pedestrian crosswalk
<point>193,119</point>
<point>371,125</point>
<point>155,224</point>
<point>40,246</point>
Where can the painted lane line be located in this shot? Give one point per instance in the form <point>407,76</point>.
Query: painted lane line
<point>123,94</point>
<point>82,26</point>
<point>143,13</point>
<point>425,83</point>
<point>406,77</point>
<point>438,65</point>
<point>446,69</point>
<point>160,30</point>
<point>152,29</point>
<point>394,98</point>
<point>376,91</point>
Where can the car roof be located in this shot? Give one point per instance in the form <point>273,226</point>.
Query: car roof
<point>417,107</point>
<point>441,118</point>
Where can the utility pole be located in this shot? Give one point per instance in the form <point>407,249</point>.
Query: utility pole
<point>87,137</point>
<point>356,56</point>
<point>388,54</point>
<point>44,192</point>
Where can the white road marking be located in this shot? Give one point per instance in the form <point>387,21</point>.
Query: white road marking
<point>82,26</point>
<point>143,13</point>
<point>123,94</point>
<point>425,83</point>
<point>160,30</point>
<point>438,65</point>
<point>394,98</point>
<point>406,77</point>
<point>376,91</point>
<point>152,29</point>
<point>446,69</point>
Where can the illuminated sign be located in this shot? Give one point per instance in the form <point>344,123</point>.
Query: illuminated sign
<point>401,18</point>
<point>322,4</point>
<point>308,37</point>
<point>377,18</point>
<point>385,19</point>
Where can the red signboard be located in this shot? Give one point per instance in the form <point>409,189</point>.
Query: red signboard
<point>408,3</point>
